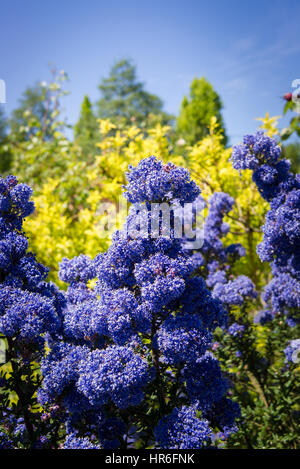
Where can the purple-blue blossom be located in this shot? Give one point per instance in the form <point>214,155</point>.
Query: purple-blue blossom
<point>236,330</point>
<point>235,291</point>
<point>145,326</point>
<point>292,351</point>
<point>183,429</point>
<point>75,442</point>
<point>254,151</point>
<point>182,339</point>
<point>115,374</point>
<point>154,181</point>
<point>281,231</point>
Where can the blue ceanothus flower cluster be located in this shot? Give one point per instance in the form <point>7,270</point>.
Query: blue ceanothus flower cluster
<point>292,351</point>
<point>218,259</point>
<point>215,262</point>
<point>133,365</point>
<point>281,232</point>
<point>30,308</point>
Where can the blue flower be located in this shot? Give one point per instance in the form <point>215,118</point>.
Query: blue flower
<point>115,374</point>
<point>236,330</point>
<point>183,339</point>
<point>281,239</point>
<point>183,429</point>
<point>75,442</point>
<point>154,181</point>
<point>78,269</point>
<point>292,351</point>
<point>204,381</point>
<point>254,151</point>
<point>235,291</point>
<point>264,316</point>
<point>5,442</point>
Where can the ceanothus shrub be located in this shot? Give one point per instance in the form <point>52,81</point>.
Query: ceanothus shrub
<point>30,311</point>
<point>270,399</point>
<point>132,367</point>
<point>281,232</point>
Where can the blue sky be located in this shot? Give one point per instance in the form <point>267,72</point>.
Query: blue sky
<point>250,51</point>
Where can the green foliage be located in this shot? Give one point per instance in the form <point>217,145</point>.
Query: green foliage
<point>292,152</point>
<point>36,140</point>
<point>125,101</point>
<point>294,125</point>
<point>33,102</point>
<point>38,109</point>
<point>265,387</point>
<point>5,155</point>
<point>3,124</point>
<point>196,111</point>
<point>23,378</point>
<point>86,131</point>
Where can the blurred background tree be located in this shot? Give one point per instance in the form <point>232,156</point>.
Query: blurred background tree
<point>197,109</point>
<point>125,101</point>
<point>37,138</point>
<point>32,101</point>
<point>292,150</point>
<point>39,106</point>
<point>86,130</point>
<point>3,124</point>
<point>5,155</point>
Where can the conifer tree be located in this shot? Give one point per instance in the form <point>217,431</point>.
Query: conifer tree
<point>124,99</point>
<point>196,112</point>
<point>86,129</point>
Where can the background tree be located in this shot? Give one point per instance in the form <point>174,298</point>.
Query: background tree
<point>33,102</point>
<point>86,130</point>
<point>5,156</point>
<point>124,99</point>
<point>196,112</point>
<point>292,150</point>
<point>37,141</point>
<point>39,108</point>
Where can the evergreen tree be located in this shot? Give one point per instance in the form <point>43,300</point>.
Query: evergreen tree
<point>3,123</point>
<point>86,130</point>
<point>197,110</point>
<point>124,99</point>
<point>5,156</point>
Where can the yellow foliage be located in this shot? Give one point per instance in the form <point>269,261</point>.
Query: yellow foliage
<point>67,222</point>
<point>125,147</point>
<point>269,124</point>
<point>54,234</point>
<point>66,225</point>
<point>210,166</point>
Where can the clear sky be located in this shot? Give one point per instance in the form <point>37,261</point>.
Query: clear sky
<point>249,50</point>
